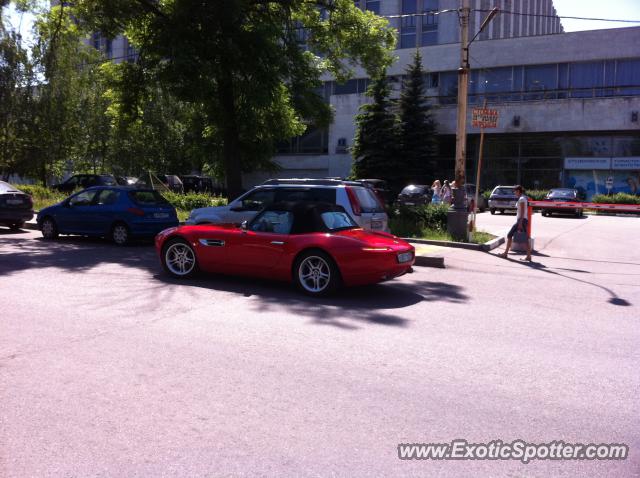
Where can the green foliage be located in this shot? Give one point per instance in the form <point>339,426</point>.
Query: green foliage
<point>411,222</point>
<point>375,145</point>
<point>618,198</point>
<point>41,196</point>
<point>417,129</point>
<point>241,65</point>
<point>480,237</point>
<point>536,194</point>
<point>193,201</point>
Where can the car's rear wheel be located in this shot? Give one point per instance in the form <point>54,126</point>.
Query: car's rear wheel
<point>179,259</point>
<point>49,228</point>
<point>315,273</point>
<point>120,233</point>
<point>544,213</point>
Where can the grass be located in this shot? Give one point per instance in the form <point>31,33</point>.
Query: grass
<point>478,237</point>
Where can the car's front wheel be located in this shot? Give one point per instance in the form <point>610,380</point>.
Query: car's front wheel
<point>315,273</point>
<point>49,228</point>
<point>179,259</point>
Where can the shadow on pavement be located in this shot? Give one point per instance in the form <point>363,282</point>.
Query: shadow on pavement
<point>344,309</point>
<point>347,308</point>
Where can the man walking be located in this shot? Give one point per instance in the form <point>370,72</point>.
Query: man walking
<point>522,221</point>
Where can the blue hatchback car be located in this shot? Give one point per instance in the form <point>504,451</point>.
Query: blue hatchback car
<point>118,213</point>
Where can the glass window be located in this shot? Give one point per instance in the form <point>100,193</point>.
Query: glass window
<point>541,78</point>
<point>448,87</point>
<point>327,195</point>
<point>584,77</point>
<point>147,198</point>
<point>336,220</point>
<point>628,76</point>
<point>72,181</point>
<point>85,198</point>
<point>373,5</point>
<point>409,6</point>
<point>277,222</point>
<point>107,197</point>
<point>256,200</point>
<point>347,88</point>
<point>368,200</point>
<point>408,32</point>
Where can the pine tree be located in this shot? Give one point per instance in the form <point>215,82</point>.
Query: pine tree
<point>374,149</point>
<point>417,130</point>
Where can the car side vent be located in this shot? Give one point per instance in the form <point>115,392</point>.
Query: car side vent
<point>212,242</point>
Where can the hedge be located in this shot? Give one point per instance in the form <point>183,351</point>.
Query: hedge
<point>533,194</point>
<point>618,198</point>
<point>410,222</point>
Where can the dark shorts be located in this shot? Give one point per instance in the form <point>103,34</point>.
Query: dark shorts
<point>514,228</point>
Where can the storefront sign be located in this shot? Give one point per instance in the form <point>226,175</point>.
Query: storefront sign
<point>484,118</point>
<point>628,163</point>
<point>587,163</point>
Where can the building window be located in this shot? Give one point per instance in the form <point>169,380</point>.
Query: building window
<point>313,141</point>
<point>627,77</point>
<point>408,32</point>
<point>373,5</point>
<point>586,79</point>
<point>541,81</point>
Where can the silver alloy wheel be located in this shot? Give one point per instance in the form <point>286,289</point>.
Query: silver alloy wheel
<point>120,234</point>
<point>314,274</point>
<point>180,259</point>
<point>48,229</point>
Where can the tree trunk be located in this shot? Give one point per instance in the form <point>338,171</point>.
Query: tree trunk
<point>231,147</point>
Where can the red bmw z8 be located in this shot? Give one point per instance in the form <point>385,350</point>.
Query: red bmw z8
<point>317,246</point>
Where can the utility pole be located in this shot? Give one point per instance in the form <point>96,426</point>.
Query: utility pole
<point>458,217</point>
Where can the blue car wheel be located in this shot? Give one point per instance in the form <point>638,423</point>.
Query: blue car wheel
<point>120,233</point>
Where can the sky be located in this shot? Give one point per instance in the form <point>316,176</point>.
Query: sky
<point>610,9</point>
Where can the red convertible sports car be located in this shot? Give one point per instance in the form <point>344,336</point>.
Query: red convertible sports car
<point>317,246</point>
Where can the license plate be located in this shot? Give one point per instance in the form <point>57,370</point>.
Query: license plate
<point>376,224</point>
<point>405,257</point>
<point>161,215</point>
<point>14,201</point>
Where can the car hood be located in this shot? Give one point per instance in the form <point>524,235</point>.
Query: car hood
<point>375,239</point>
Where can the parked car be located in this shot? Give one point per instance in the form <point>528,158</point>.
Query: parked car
<point>360,202</point>
<point>16,207</point>
<point>318,246</point>
<point>169,182</point>
<point>83,181</point>
<point>470,191</point>
<point>415,195</point>
<point>564,195</point>
<point>503,198</point>
<point>119,213</point>
<point>126,180</point>
<point>380,187</point>
<point>197,184</point>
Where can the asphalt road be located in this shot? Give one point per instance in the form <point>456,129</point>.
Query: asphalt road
<point>109,368</point>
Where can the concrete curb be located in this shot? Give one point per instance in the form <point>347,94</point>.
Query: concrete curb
<point>487,246</point>
<point>31,225</point>
<point>429,261</point>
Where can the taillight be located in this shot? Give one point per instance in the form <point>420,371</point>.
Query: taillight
<point>353,200</point>
<point>136,211</point>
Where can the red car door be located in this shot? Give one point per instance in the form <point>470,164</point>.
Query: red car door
<point>257,249</point>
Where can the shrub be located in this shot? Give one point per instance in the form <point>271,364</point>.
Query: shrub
<point>536,194</point>
<point>193,200</point>
<point>618,198</point>
<point>410,222</point>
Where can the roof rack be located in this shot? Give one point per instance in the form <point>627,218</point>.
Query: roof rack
<point>310,182</point>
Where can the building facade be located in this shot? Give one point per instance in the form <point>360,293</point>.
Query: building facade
<point>568,103</point>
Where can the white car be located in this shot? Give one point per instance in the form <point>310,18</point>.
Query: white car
<point>358,200</point>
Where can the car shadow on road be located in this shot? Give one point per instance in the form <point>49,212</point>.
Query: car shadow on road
<point>72,254</point>
<point>347,308</point>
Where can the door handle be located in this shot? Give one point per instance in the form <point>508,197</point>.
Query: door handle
<point>277,243</point>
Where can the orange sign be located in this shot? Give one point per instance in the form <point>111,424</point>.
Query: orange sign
<point>484,118</point>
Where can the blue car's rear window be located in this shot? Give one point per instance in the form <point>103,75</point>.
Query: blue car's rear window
<point>148,198</point>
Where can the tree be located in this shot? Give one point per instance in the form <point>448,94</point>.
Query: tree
<point>417,129</point>
<point>375,145</point>
<point>242,64</point>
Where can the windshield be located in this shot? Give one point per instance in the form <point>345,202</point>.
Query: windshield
<point>562,193</point>
<point>337,220</point>
<point>413,190</point>
<point>148,198</point>
<point>6,187</point>
<point>368,200</point>
<point>504,192</point>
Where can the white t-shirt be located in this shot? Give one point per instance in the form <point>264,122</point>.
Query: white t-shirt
<point>522,200</point>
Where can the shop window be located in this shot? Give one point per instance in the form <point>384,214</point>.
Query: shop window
<point>586,79</point>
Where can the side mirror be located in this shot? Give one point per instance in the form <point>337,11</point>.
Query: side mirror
<point>244,226</point>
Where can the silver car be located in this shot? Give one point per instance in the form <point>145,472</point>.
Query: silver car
<point>359,201</point>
